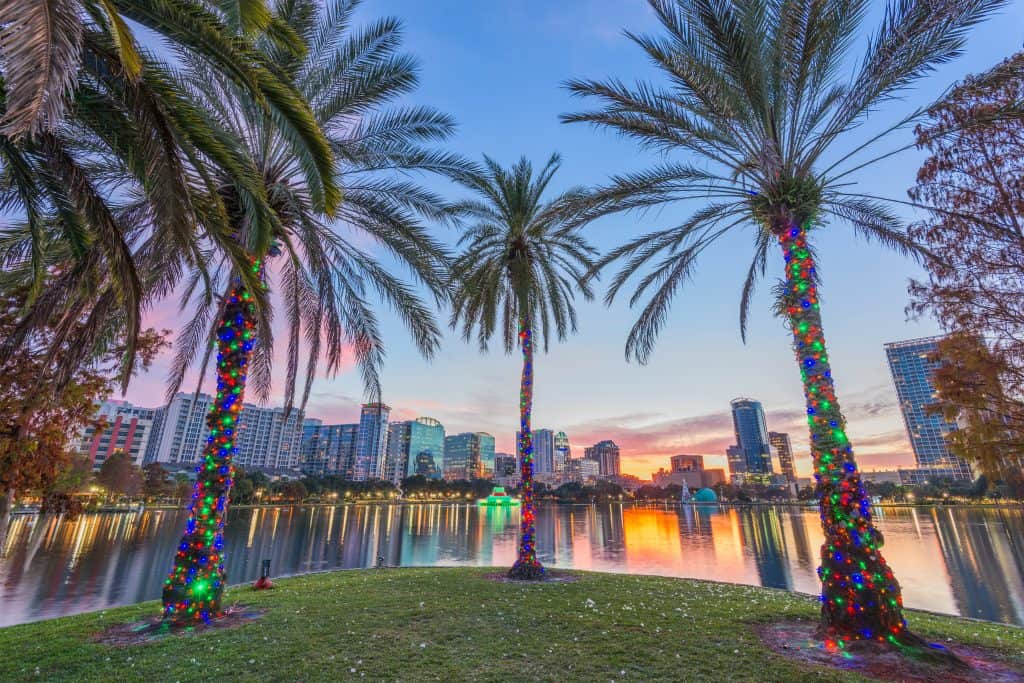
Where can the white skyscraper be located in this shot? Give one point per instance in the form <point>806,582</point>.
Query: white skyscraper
<point>266,439</point>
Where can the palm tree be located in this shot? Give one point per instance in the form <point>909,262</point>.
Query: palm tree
<point>348,76</point>
<point>79,96</point>
<point>754,90</point>
<point>520,269</point>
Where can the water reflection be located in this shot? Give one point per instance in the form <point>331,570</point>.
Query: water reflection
<point>960,561</point>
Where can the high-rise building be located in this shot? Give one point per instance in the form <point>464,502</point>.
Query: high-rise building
<point>266,437</point>
<point>126,429</point>
<point>506,470</point>
<point>183,430</point>
<point>155,434</point>
<point>469,455</point>
<point>737,461</point>
<point>583,470</point>
<point>687,463</point>
<point>606,453</point>
<point>397,456</point>
<point>328,449</point>
<point>779,441</point>
<point>562,454</point>
<point>372,442</point>
<point>912,365</point>
<point>415,447</point>
<point>751,439</point>
<point>543,451</point>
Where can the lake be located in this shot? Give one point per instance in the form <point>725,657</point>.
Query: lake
<point>965,561</point>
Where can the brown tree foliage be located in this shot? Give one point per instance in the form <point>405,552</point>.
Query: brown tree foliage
<point>119,475</point>
<point>40,415</point>
<point>973,182</point>
<point>154,480</point>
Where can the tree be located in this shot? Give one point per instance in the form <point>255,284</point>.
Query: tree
<point>970,383</point>
<point>182,487</point>
<point>518,275</point>
<point>242,488</point>
<point>754,93</point>
<point>154,480</point>
<point>975,286</point>
<point>291,491</point>
<point>348,77</point>
<point>39,414</point>
<point>119,475</point>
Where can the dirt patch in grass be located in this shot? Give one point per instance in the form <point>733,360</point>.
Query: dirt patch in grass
<point>797,642</point>
<point>550,576</point>
<point>150,630</point>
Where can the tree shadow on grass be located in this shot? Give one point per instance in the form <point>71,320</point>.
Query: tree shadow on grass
<point>797,641</point>
<point>550,576</point>
<point>152,630</point>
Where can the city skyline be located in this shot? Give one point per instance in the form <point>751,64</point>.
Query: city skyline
<point>545,434</point>
<point>674,404</point>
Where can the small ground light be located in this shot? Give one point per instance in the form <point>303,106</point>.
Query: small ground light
<point>264,581</point>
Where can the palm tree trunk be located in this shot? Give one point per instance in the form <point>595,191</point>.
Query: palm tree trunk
<point>526,567</point>
<point>860,597</point>
<point>193,591</point>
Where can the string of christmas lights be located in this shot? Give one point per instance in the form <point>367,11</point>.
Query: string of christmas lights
<point>193,590</point>
<point>860,597</point>
<point>526,566</point>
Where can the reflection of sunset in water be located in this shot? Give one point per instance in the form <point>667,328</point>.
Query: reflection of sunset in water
<point>728,556</point>
<point>955,560</point>
<point>651,538</point>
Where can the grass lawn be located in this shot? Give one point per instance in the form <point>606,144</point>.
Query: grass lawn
<point>455,624</point>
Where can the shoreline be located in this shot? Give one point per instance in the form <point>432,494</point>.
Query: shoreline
<point>122,509</point>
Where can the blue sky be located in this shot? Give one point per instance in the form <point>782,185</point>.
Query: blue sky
<point>498,68</point>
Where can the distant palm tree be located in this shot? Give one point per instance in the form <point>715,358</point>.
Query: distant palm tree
<point>522,265</point>
<point>754,90</point>
<point>348,77</point>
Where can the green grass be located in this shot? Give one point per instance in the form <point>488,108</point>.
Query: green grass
<point>453,625</point>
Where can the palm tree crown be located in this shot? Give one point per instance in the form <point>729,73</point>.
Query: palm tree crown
<point>755,91</point>
<point>524,258</point>
<point>348,76</point>
<point>106,159</point>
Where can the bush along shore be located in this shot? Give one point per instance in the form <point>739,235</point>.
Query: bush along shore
<point>472,624</point>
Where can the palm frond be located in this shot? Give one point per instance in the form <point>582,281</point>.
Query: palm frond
<point>40,50</point>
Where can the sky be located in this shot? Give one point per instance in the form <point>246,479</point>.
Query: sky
<point>499,67</point>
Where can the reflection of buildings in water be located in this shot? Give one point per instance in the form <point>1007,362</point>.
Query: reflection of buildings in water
<point>695,521</point>
<point>498,528</point>
<point>584,523</point>
<point>981,565</point>
<point>761,532</point>
<point>389,544</point>
<point>806,558</point>
<point>55,566</point>
<point>440,534</point>
<point>725,538</point>
<point>558,521</point>
<point>1013,533</point>
<point>608,533</point>
<point>546,522</point>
